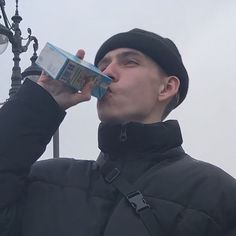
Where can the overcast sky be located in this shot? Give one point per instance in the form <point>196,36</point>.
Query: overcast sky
<point>205,34</point>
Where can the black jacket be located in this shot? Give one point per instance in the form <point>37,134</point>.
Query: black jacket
<point>70,197</point>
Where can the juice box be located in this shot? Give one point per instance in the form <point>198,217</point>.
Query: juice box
<point>64,66</point>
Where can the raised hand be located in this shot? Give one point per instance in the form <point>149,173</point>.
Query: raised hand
<point>64,95</point>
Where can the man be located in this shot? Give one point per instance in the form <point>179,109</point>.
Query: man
<point>143,183</point>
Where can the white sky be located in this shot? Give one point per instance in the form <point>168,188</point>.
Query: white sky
<point>205,34</point>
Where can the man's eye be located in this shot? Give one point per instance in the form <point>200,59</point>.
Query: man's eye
<point>131,62</point>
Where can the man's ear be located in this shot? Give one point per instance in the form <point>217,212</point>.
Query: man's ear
<point>169,88</point>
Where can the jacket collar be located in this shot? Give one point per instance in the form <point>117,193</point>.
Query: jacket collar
<point>139,138</point>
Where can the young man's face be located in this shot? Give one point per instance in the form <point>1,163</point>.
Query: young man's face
<point>133,94</point>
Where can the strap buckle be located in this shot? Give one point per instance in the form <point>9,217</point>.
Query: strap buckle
<point>137,201</point>
<point>111,176</point>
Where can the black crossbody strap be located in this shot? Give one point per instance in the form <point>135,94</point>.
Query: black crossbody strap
<point>113,175</point>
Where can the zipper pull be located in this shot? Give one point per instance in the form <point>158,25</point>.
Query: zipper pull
<point>123,134</point>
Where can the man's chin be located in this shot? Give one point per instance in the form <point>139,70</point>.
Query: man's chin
<point>110,119</point>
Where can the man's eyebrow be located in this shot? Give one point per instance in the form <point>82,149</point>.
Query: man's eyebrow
<point>129,53</point>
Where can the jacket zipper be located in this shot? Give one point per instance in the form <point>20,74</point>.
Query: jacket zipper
<point>123,134</point>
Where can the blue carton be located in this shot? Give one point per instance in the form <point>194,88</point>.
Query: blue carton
<point>64,66</point>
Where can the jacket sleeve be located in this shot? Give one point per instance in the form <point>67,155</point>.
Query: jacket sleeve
<point>27,123</point>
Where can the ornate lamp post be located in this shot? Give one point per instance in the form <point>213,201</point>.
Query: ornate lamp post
<point>12,33</point>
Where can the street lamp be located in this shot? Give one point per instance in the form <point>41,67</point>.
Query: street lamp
<point>12,33</point>
<point>3,43</point>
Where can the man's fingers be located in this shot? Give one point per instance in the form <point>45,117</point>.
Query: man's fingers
<point>80,53</point>
<point>43,77</point>
<point>84,95</point>
<point>88,87</point>
<point>86,91</point>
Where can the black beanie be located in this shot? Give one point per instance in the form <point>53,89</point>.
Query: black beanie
<point>162,50</point>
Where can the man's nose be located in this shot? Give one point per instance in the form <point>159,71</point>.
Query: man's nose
<point>112,71</point>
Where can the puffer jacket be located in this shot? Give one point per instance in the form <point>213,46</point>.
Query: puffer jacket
<point>66,196</point>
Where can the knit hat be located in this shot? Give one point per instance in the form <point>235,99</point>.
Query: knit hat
<point>162,50</point>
